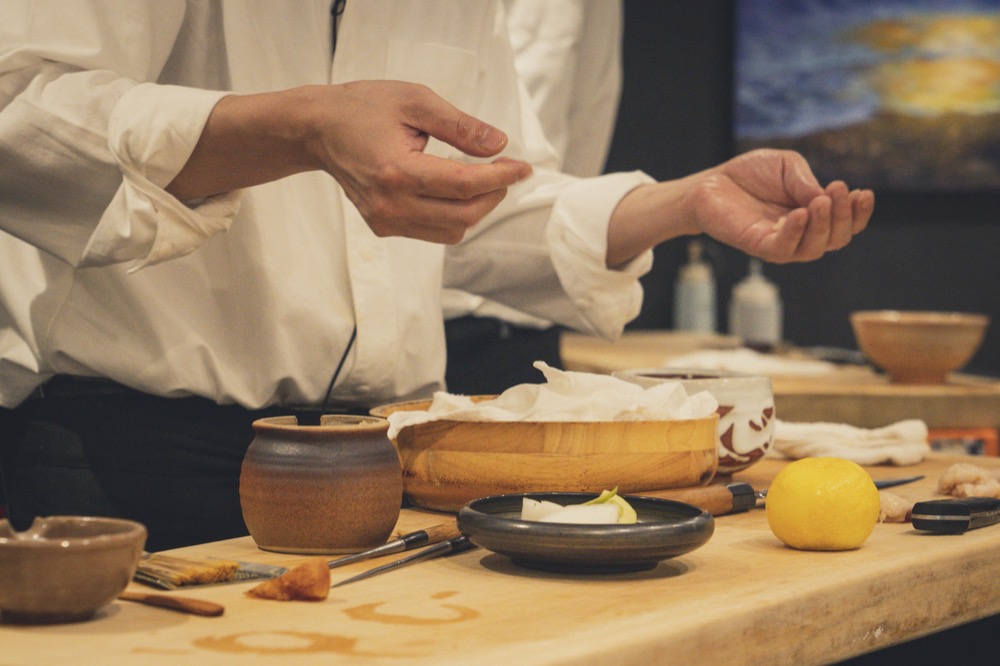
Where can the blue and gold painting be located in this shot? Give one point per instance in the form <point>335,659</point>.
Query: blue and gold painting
<point>900,95</point>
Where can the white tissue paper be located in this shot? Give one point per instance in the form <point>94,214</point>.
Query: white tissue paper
<point>567,396</point>
<point>901,443</point>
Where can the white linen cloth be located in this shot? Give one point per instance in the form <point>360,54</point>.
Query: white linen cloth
<point>250,297</point>
<point>566,396</point>
<point>900,443</point>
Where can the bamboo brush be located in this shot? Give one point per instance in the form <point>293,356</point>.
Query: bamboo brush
<point>170,572</point>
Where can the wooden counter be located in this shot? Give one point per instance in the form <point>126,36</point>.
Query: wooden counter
<point>743,598</point>
<point>851,394</point>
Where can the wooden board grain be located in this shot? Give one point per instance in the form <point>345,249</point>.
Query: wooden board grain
<point>743,598</point>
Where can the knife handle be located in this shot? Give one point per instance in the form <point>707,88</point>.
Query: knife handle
<point>717,499</point>
<point>442,532</point>
<point>952,516</point>
<point>429,536</point>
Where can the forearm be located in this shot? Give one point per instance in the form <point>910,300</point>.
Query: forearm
<point>248,140</point>
<point>647,216</point>
<point>766,203</point>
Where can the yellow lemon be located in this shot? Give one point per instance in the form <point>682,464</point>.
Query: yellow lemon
<point>822,504</point>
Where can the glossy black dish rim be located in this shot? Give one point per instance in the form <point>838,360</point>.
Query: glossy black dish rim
<point>666,529</point>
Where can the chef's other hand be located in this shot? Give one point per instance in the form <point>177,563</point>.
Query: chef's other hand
<point>769,204</point>
<point>373,144</point>
<point>370,136</point>
<point>766,203</point>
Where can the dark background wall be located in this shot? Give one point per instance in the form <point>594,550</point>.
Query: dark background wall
<point>920,251</point>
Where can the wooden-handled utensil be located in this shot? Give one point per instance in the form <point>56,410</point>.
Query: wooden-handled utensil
<point>717,499</point>
<point>440,549</point>
<point>179,604</point>
<point>720,500</point>
<point>417,539</point>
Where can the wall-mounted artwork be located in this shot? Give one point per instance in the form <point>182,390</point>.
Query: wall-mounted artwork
<point>901,95</point>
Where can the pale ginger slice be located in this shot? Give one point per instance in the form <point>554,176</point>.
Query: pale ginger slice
<point>967,480</point>
<point>309,581</point>
<point>893,508</point>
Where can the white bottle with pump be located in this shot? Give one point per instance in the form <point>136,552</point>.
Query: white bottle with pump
<point>694,294</point>
<point>755,310</point>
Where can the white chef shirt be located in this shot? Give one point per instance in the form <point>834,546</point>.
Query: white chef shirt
<point>567,54</point>
<point>250,297</point>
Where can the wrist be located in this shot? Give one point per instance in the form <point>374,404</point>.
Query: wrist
<point>247,140</point>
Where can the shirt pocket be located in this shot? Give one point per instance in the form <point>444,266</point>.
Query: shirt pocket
<point>449,71</point>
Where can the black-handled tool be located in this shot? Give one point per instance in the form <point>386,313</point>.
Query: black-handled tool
<point>953,516</point>
<point>450,547</point>
<point>409,541</point>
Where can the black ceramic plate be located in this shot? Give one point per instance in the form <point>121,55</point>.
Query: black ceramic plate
<point>665,529</point>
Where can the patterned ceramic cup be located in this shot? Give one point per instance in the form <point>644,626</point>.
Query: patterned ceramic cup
<point>746,409</point>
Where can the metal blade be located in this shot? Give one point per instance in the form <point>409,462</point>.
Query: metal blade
<point>443,548</point>
<point>889,483</point>
<point>388,548</point>
<point>880,484</point>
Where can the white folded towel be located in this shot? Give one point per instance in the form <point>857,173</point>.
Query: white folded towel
<point>901,443</point>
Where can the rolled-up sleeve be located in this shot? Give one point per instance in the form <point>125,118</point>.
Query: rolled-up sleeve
<point>89,140</point>
<point>152,131</point>
<point>544,252</point>
<point>578,237</point>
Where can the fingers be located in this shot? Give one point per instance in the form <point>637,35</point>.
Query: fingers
<point>799,180</point>
<point>431,114</point>
<point>448,179</point>
<point>435,220</point>
<point>828,223</point>
<point>841,216</point>
<point>436,199</point>
<point>862,207</point>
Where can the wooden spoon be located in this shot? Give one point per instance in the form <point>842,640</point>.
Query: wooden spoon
<point>180,604</point>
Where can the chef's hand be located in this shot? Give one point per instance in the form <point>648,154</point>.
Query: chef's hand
<point>374,147</point>
<point>370,136</point>
<point>766,203</point>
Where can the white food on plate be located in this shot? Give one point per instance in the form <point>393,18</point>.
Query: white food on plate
<point>582,514</point>
<point>537,509</point>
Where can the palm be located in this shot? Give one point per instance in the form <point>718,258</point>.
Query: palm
<point>768,204</point>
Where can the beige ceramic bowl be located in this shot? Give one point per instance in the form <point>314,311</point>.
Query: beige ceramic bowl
<point>449,463</point>
<point>746,409</point>
<point>66,568</point>
<point>918,347</point>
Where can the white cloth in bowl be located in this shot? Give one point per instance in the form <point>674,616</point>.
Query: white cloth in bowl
<point>901,443</point>
<point>567,396</point>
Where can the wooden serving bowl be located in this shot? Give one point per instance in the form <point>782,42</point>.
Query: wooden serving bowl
<point>919,347</point>
<point>447,464</point>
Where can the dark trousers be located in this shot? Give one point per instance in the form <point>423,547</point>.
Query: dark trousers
<point>94,448</point>
<point>487,356</point>
<point>89,447</point>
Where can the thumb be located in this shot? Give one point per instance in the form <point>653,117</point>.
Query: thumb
<point>431,114</point>
<point>800,182</point>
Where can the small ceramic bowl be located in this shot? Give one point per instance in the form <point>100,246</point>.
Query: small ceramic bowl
<point>66,568</point>
<point>919,347</point>
<point>746,409</point>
